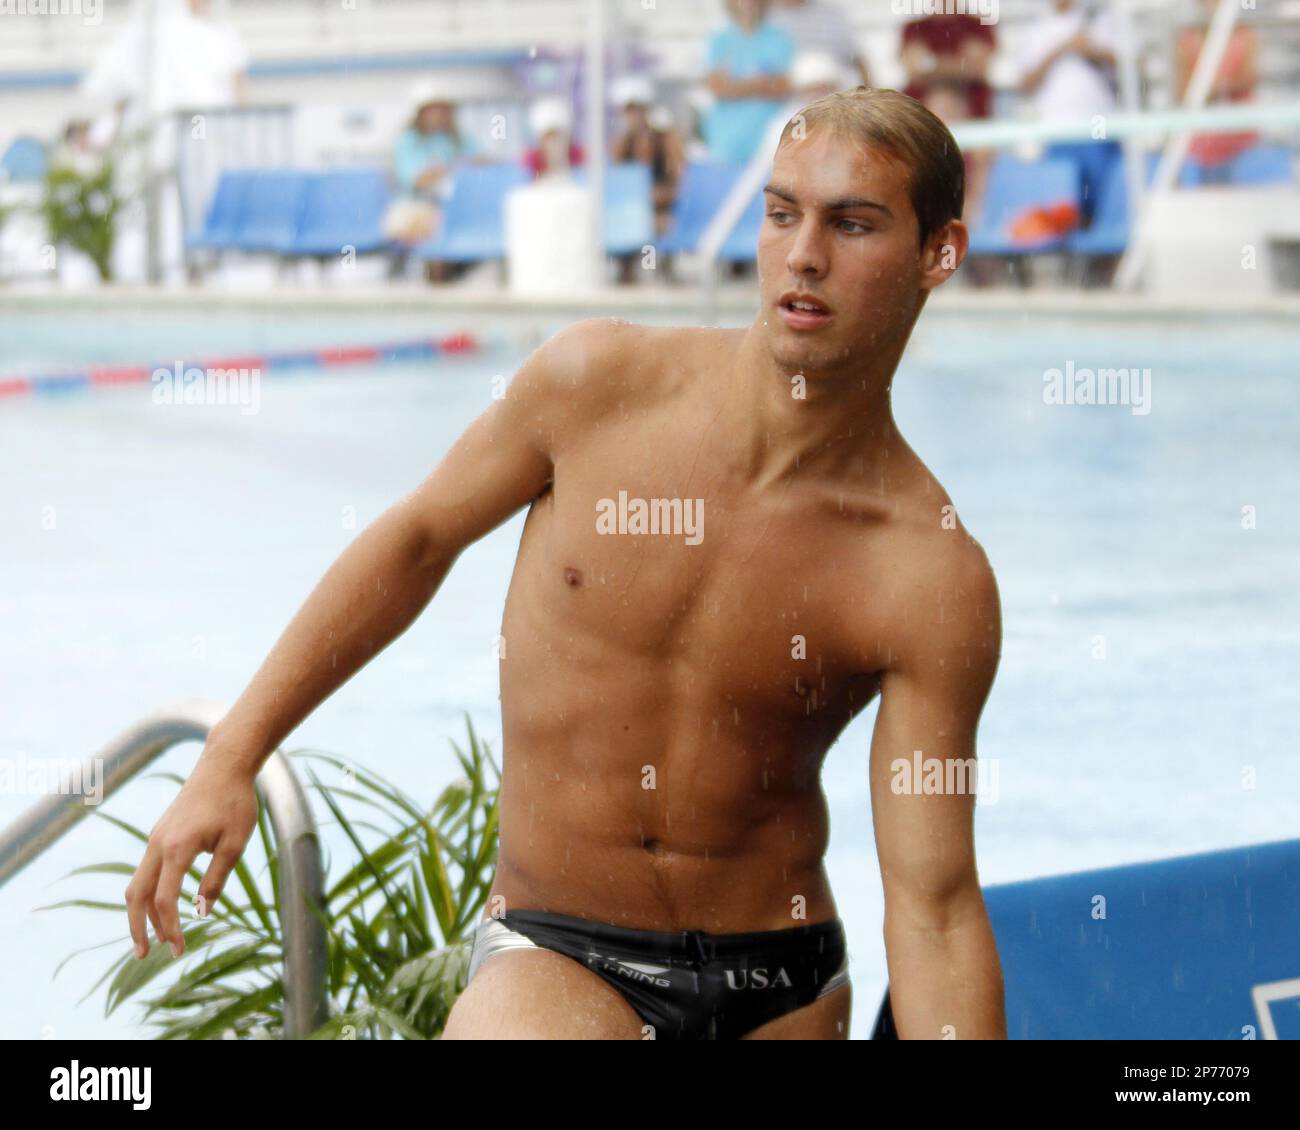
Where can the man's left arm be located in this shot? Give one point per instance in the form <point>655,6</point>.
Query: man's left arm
<point>944,973</point>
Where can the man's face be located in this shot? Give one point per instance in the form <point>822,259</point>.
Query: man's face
<point>839,232</point>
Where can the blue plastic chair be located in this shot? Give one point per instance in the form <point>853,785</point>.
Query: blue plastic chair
<point>24,161</point>
<point>343,208</point>
<point>1113,221</point>
<point>1015,186</point>
<point>221,225</point>
<point>1263,165</point>
<point>1199,947</point>
<point>703,188</point>
<point>741,245</point>
<point>270,214</point>
<point>473,219</point>
<point>629,207</point>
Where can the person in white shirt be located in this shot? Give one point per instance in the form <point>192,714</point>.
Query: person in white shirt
<point>1067,70</point>
<point>169,56</point>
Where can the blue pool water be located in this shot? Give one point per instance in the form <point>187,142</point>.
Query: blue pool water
<point>1152,641</point>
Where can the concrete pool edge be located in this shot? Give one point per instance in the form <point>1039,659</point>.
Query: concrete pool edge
<point>679,304</point>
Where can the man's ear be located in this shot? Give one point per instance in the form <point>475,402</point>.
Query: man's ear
<point>943,253</point>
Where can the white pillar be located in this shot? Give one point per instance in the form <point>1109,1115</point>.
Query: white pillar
<point>596,128</point>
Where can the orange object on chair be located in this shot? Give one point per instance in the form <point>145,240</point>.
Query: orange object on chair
<point>1050,222</point>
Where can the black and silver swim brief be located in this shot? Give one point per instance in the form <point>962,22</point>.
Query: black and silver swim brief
<point>686,984</point>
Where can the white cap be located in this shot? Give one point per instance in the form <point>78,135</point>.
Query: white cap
<point>548,114</point>
<point>817,68</point>
<point>630,89</point>
<point>430,90</point>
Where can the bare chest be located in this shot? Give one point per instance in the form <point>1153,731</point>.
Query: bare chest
<point>657,555</point>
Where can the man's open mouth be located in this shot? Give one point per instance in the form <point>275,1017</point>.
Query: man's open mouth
<point>802,311</point>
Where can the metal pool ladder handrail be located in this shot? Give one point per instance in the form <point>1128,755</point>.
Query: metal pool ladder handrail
<point>306,1004</point>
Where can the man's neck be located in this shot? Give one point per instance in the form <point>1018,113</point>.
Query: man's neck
<point>813,424</point>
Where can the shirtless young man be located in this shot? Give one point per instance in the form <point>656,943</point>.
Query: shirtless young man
<point>667,698</point>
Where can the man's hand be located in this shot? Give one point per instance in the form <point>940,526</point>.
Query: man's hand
<point>214,812</point>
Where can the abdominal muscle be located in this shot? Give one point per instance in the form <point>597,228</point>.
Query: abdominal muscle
<point>631,795</point>
<point>659,770</point>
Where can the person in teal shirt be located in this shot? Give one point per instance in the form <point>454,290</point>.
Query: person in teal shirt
<point>748,65</point>
<point>424,162</point>
<point>428,148</point>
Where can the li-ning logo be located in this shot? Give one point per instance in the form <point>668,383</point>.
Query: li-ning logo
<point>101,1084</point>
<point>651,516</point>
<point>633,971</point>
<point>758,979</point>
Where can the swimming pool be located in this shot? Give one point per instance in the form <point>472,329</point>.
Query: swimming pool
<point>1151,634</point>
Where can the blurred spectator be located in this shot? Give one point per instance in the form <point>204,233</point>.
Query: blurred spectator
<point>947,61</point>
<point>554,151</point>
<point>195,60</point>
<point>747,74</point>
<point>953,51</point>
<point>1234,82</point>
<point>170,55</point>
<point>649,143</point>
<point>821,27</point>
<point>1068,68</point>
<point>423,159</point>
<point>78,148</point>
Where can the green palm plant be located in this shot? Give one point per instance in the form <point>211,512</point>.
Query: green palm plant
<point>81,209</point>
<point>399,919</point>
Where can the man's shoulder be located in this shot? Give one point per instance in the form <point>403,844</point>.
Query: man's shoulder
<point>598,364</point>
<point>939,586</point>
<point>943,556</point>
<point>601,351</point>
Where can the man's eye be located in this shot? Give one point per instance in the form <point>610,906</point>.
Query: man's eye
<point>779,216</point>
<point>853,226</point>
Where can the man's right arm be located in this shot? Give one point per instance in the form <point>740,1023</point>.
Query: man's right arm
<point>385,578</point>
<point>367,598</point>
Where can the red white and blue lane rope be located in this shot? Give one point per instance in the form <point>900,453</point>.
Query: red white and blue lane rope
<point>77,380</point>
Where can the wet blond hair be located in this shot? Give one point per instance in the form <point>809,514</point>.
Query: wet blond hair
<point>900,126</point>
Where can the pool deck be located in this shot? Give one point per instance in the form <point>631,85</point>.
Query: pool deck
<point>686,304</point>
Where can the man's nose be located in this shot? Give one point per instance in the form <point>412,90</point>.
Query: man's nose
<point>807,254</point>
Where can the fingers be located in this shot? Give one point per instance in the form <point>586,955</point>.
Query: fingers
<point>154,892</point>
<point>214,880</point>
<point>151,910</point>
<point>176,861</point>
<point>139,899</point>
